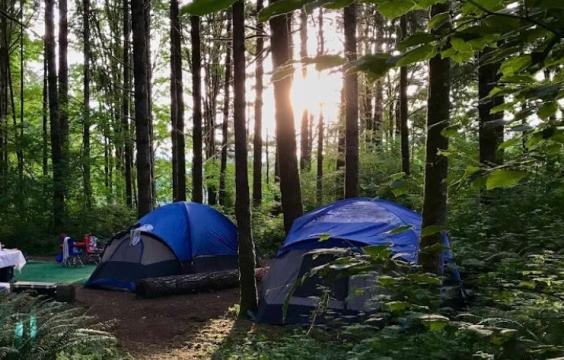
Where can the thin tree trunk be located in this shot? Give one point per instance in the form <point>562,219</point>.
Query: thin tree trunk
<point>128,151</point>
<point>45,117</point>
<point>63,91</point>
<point>86,110</point>
<point>377,122</point>
<point>142,115</point>
<point>403,110</point>
<point>58,171</point>
<point>19,151</point>
<point>225,125</point>
<point>197,166</point>
<point>177,107</point>
<point>436,165</point>
<point>319,184</point>
<point>257,142</point>
<point>248,301</point>
<point>351,106</point>
<point>285,129</point>
<point>340,163</point>
<point>305,152</point>
<point>491,125</point>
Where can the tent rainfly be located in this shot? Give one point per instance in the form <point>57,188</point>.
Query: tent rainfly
<point>174,239</point>
<point>351,223</point>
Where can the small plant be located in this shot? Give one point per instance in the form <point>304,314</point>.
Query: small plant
<point>36,328</point>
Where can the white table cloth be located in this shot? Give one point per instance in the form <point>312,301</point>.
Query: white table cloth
<point>12,257</point>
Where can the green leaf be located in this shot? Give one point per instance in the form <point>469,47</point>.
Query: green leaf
<point>504,178</point>
<point>393,8</point>
<point>424,52</point>
<point>547,109</point>
<point>432,230</point>
<point>324,237</point>
<point>437,20</point>
<point>397,306</point>
<point>205,7</point>
<point>418,38</point>
<point>510,143</point>
<point>374,65</point>
<point>324,62</point>
<point>515,64</point>
<point>434,322</point>
<point>282,72</point>
<point>399,229</point>
<point>378,253</point>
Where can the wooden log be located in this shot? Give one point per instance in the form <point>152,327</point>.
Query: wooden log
<point>190,283</point>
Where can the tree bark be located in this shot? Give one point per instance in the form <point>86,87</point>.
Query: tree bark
<point>197,165</point>
<point>436,165</point>
<point>128,151</point>
<point>491,125</point>
<point>177,105</point>
<point>63,91</point>
<point>142,115</point>
<point>242,203</point>
<point>351,105</point>
<point>403,109</point>
<point>45,117</point>
<point>187,284</point>
<point>56,146</point>
<point>377,122</point>
<point>285,129</point>
<point>257,143</point>
<point>305,151</point>
<point>225,124</point>
<point>320,130</point>
<point>86,106</point>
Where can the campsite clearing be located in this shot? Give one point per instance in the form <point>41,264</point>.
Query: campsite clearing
<point>176,327</point>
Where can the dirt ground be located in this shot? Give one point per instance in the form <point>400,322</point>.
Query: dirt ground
<point>177,327</point>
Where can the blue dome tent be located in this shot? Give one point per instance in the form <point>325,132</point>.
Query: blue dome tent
<point>351,223</point>
<point>176,238</point>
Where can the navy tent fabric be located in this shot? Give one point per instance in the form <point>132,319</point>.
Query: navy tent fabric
<point>350,223</point>
<point>192,230</point>
<point>362,221</point>
<point>175,238</point>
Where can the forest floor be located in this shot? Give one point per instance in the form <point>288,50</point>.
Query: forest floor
<point>176,327</point>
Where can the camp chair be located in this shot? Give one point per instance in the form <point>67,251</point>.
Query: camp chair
<point>71,254</point>
<point>93,249</point>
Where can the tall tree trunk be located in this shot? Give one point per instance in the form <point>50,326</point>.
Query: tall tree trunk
<point>257,142</point>
<point>285,129</point>
<point>491,125</point>
<point>242,204</point>
<point>436,165</point>
<point>56,146</point>
<point>177,107</point>
<point>45,117</point>
<point>319,183</point>
<point>142,115</point>
<point>5,43</point>
<point>403,109</point>
<point>86,110</point>
<point>147,15</point>
<point>377,122</point>
<point>128,151</point>
<point>225,124</point>
<point>351,106</point>
<point>340,163</point>
<point>197,166</point>
<point>305,152</point>
<point>19,143</point>
<point>64,91</point>
<point>320,130</point>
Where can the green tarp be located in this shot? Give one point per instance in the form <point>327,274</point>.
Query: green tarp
<point>46,271</point>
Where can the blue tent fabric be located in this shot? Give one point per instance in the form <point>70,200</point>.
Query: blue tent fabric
<point>360,222</point>
<point>192,230</point>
